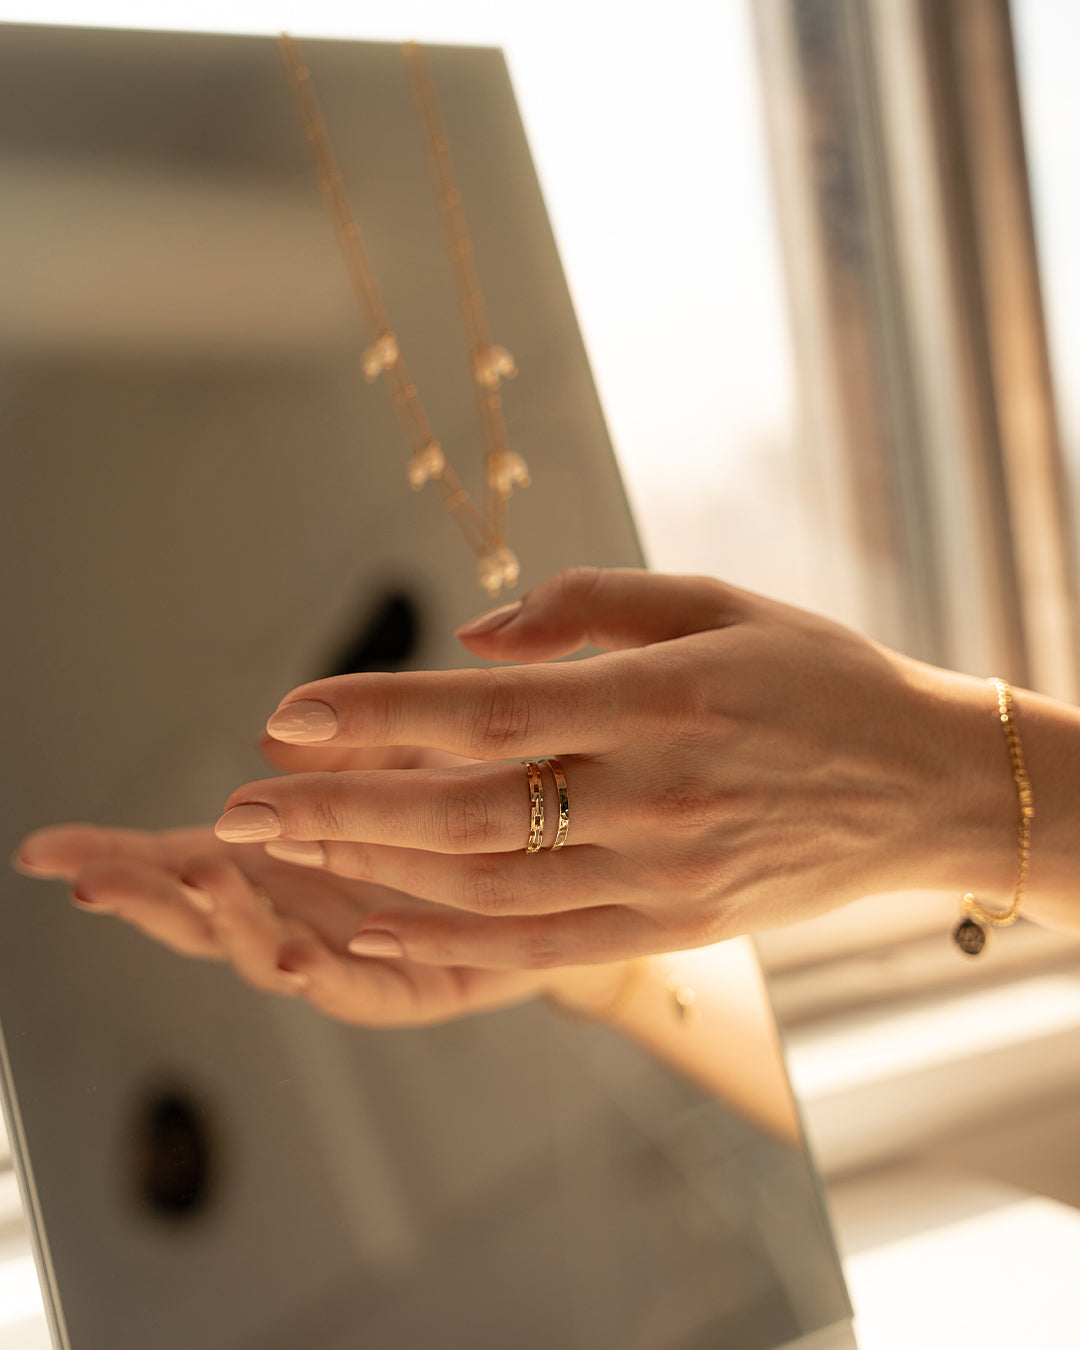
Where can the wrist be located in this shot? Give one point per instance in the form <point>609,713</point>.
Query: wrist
<point>965,826</point>
<point>1050,735</point>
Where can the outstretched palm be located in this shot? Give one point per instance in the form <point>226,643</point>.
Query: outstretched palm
<point>283,928</point>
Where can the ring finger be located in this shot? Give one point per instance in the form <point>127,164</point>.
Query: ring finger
<point>483,808</point>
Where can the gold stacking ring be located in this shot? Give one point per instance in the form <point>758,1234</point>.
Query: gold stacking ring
<point>564,802</point>
<point>536,806</point>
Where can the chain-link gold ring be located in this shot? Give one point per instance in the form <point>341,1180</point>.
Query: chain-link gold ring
<point>536,806</point>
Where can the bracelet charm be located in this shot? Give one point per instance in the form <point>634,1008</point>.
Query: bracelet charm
<point>969,936</point>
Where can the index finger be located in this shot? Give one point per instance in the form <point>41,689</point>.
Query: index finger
<point>511,711</point>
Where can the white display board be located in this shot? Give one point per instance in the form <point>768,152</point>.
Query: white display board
<point>205,505</point>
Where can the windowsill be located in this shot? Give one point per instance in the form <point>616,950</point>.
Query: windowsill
<point>22,1316</point>
<point>946,1126</point>
<point>939,1259</point>
<point>825,966</point>
<point>880,1085</point>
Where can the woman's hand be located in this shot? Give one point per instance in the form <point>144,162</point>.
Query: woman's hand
<point>733,764</point>
<point>284,929</point>
<point>332,759</point>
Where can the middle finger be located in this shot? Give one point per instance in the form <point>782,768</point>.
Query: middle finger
<point>485,883</point>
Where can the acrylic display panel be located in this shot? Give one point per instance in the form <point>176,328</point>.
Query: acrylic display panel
<point>204,506</point>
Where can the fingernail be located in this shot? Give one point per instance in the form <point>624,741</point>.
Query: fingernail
<point>376,943</point>
<point>297,851</point>
<point>21,864</point>
<point>79,899</point>
<point>295,978</point>
<point>489,622</point>
<point>249,824</point>
<point>303,722</point>
<point>199,899</point>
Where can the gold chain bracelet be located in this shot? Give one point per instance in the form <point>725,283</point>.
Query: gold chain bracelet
<point>970,935</point>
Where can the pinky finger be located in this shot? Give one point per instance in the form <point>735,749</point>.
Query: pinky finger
<point>533,942</point>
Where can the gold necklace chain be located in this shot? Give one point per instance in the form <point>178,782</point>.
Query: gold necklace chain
<point>490,364</point>
<point>503,471</point>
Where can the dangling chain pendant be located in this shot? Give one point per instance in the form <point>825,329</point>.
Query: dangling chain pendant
<point>489,364</point>
<point>970,935</point>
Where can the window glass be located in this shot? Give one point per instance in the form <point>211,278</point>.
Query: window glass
<point>1047,39</point>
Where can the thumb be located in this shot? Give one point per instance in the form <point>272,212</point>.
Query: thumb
<point>608,607</point>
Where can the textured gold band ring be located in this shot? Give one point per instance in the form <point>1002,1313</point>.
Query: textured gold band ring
<point>536,806</point>
<point>564,802</point>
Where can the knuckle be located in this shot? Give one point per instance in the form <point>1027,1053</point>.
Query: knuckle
<point>354,861</point>
<point>206,873</point>
<point>485,890</point>
<point>463,822</point>
<point>671,707</point>
<point>687,703</point>
<point>501,720</point>
<point>541,948</point>
<point>370,695</point>
<point>578,584</point>
<point>328,817</point>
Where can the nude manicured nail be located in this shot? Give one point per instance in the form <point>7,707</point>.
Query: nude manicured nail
<point>31,869</point>
<point>249,824</point>
<point>303,722</point>
<point>297,851</point>
<point>197,899</point>
<point>377,942</point>
<point>85,901</point>
<point>491,621</point>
